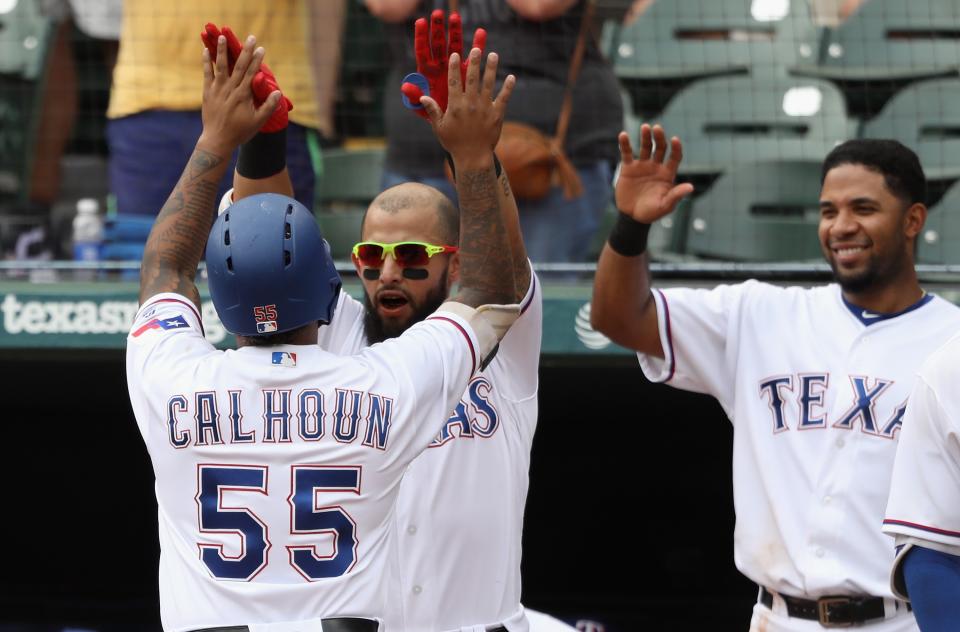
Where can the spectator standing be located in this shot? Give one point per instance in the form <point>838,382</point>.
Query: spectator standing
<point>536,40</point>
<point>154,111</point>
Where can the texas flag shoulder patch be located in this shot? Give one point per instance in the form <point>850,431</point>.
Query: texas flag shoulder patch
<point>165,324</point>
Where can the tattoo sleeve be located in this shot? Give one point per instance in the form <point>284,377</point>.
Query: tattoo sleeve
<point>518,252</point>
<point>484,241</point>
<point>179,234</point>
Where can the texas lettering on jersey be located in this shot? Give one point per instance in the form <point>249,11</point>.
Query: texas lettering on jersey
<point>197,420</point>
<point>807,395</point>
<point>474,416</point>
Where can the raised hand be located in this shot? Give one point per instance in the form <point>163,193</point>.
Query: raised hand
<point>230,115</point>
<point>645,189</point>
<point>433,49</point>
<point>470,126</point>
<point>264,82</point>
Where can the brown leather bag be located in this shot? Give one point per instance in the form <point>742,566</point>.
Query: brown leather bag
<point>534,162</point>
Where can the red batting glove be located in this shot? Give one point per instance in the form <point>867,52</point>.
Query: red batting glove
<point>432,49</point>
<point>264,82</point>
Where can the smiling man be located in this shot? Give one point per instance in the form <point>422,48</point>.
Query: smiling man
<point>815,381</point>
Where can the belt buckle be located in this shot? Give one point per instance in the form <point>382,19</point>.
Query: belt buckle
<point>823,611</point>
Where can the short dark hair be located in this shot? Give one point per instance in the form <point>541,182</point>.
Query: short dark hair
<point>272,340</point>
<point>896,162</point>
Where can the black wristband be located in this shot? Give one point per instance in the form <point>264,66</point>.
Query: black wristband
<point>263,155</point>
<point>497,167</point>
<point>628,237</point>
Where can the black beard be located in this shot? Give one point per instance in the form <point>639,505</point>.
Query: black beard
<point>874,276</point>
<point>856,284</point>
<point>377,330</point>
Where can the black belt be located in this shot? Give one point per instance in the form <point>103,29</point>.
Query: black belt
<point>832,612</point>
<point>340,624</point>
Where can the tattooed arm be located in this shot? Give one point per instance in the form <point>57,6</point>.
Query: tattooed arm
<point>179,235</point>
<point>493,260</point>
<point>518,251</point>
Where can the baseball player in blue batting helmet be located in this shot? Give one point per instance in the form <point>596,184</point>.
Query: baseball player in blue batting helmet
<point>278,464</point>
<point>268,251</point>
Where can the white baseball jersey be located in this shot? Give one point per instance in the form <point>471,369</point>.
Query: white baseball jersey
<point>816,390</point>
<point>460,512</point>
<point>924,505</point>
<point>278,467</point>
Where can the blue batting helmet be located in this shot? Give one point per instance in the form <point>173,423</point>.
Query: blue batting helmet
<point>269,267</point>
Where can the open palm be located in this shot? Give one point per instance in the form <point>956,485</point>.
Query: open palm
<point>645,189</point>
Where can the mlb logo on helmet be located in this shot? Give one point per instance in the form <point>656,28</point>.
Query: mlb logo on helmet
<point>267,327</point>
<point>283,358</point>
<point>266,316</point>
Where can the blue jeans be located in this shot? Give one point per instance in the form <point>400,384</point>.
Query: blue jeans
<point>149,150</point>
<point>559,230</point>
<point>554,229</point>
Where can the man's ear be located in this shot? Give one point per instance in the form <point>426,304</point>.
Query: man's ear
<point>914,220</point>
<point>453,271</point>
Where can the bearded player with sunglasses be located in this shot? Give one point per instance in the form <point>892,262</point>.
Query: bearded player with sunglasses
<point>459,514</point>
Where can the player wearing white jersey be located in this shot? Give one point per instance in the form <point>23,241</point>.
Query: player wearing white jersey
<point>923,512</point>
<point>459,552</point>
<point>814,381</point>
<point>278,464</point>
<point>458,556</point>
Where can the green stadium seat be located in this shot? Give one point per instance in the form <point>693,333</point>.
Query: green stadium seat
<point>939,243</point>
<point>925,116</point>
<point>24,37</point>
<point>603,231</point>
<point>347,181</point>
<point>666,239</point>
<point>25,40</point>
<point>341,229</point>
<point>350,176</point>
<point>760,212</point>
<point>731,120</point>
<point>886,44</point>
<point>678,41</point>
<point>668,235</point>
<point>609,38</point>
